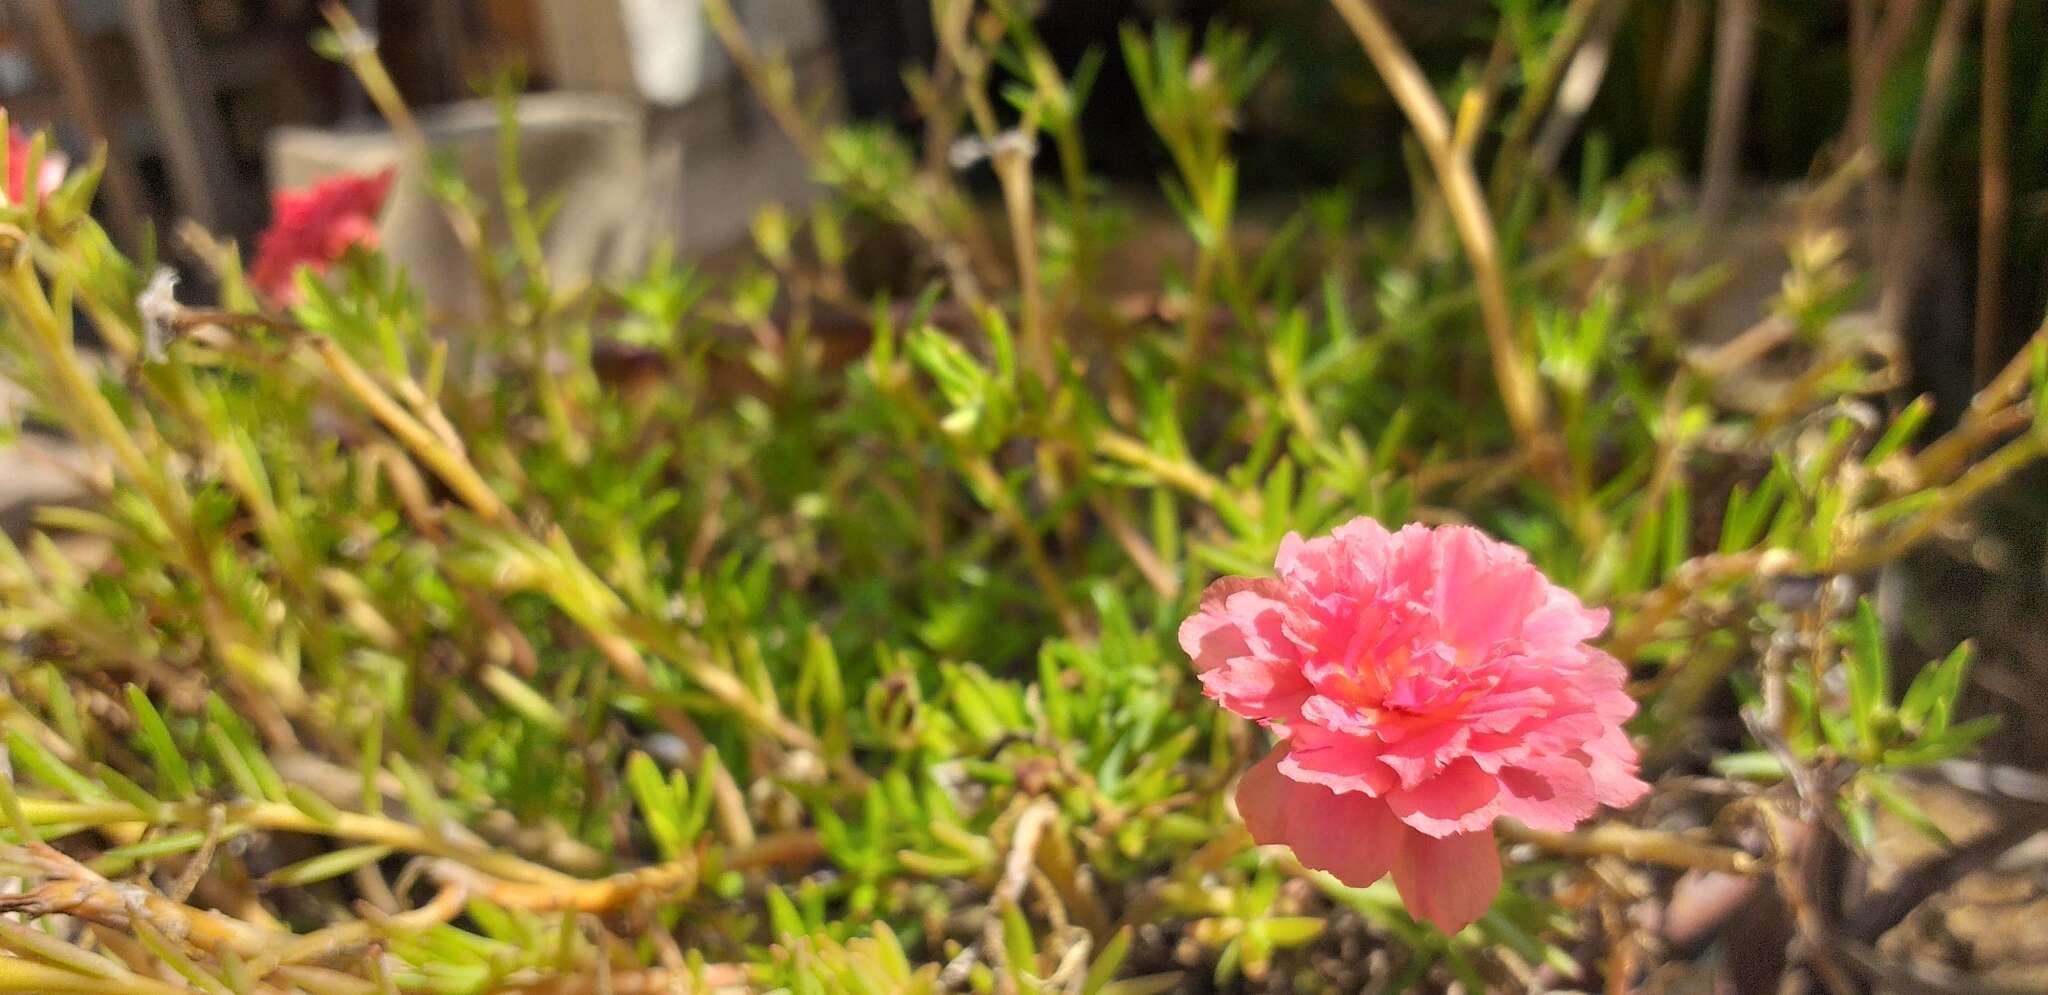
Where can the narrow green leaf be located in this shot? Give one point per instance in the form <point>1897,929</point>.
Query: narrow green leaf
<point>1868,670</point>
<point>1736,520</point>
<point>237,735</point>
<point>170,952</point>
<point>1106,963</point>
<point>1017,940</point>
<point>1677,525</point>
<point>1901,507</point>
<point>1292,931</point>
<point>128,791</point>
<point>326,865</point>
<point>1951,743</point>
<point>657,805</point>
<point>34,944</point>
<point>1856,815</point>
<point>316,808</point>
<point>782,916</point>
<point>62,704</point>
<point>232,761</point>
<point>44,766</point>
<point>1902,430</point>
<point>1227,961</point>
<point>1908,810</point>
<point>698,814</point>
<point>523,699</point>
<point>2040,372</point>
<point>889,950</point>
<point>234,972</point>
<point>370,764</point>
<point>1931,699</point>
<point>500,925</point>
<point>24,830</point>
<point>1151,984</point>
<point>427,807</point>
<point>121,858</point>
<point>171,770</point>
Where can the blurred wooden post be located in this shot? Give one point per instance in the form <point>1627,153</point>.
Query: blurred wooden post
<point>60,47</point>
<point>1734,44</point>
<point>444,31</point>
<point>181,99</point>
<point>587,47</point>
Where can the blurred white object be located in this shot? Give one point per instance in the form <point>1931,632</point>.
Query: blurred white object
<point>664,51</point>
<point>674,52</point>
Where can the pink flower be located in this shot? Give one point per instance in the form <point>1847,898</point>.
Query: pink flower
<point>1423,683</point>
<point>313,226</point>
<point>48,178</point>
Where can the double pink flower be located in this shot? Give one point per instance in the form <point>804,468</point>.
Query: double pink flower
<point>1422,683</point>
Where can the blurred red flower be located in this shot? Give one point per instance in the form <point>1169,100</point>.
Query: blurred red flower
<point>48,178</point>
<point>313,226</point>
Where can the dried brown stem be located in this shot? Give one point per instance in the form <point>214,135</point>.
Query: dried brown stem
<point>2011,381</point>
<point>1874,60</point>
<point>1514,374</point>
<point>1157,572</point>
<point>758,75</point>
<point>2011,787</point>
<point>1878,913</point>
<point>1018,863</point>
<point>1646,846</point>
<point>1751,345</point>
<point>1578,17</point>
<point>1793,846</point>
<point>1692,576</point>
<point>1994,184</point>
<point>1180,475</point>
<point>1013,171</point>
<point>1949,500</point>
<point>359,53</point>
<point>1682,55</point>
<point>1883,39</point>
<point>19,975</point>
<point>652,981</point>
<point>1734,45</point>
<point>1922,977</point>
<point>1577,89</point>
<point>1909,229</point>
<point>1945,457</point>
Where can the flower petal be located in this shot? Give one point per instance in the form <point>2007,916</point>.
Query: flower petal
<point>1341,763</point>
<point>1257,687</point>
<point>1210,638</point>
<point>1350,835</point>
<point>1222,589</point>
<point>1613,767</point>
<point>1459,799</point>
<point>1547,793</point>
<point>1560,619</point>
<point>1417,752</point>
<point>1484,589</point>
<point>1449,881</point>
